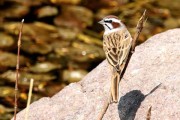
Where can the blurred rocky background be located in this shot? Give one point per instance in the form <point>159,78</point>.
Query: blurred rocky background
<point>62,40</point>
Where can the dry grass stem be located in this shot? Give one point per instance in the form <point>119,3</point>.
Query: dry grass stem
<point>17,70</point>
<point>149,114</point>
<point>29,98</point>
<point>105,107</point>
<point>139,28</point>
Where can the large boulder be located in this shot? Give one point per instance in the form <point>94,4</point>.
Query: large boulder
<point>152,78</point>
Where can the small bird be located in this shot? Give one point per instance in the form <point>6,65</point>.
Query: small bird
<point>117,42</point>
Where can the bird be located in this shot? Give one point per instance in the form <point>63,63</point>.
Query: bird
<point>117,42</point>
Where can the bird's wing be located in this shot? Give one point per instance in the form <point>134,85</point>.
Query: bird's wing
<point>117,46</point>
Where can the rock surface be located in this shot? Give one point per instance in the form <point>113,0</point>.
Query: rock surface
<point>152,78</point>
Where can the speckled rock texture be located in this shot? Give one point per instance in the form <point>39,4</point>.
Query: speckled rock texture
<point>152,78</point>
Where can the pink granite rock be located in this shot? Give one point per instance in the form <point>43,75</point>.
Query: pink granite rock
<point>152,79</point>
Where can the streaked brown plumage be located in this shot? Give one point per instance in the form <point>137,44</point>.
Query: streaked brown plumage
<point>116,44</point>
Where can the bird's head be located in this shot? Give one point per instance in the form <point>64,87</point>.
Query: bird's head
<point>111,23</point>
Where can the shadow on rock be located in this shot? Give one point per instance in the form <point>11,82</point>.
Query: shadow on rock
<point>130,102</point>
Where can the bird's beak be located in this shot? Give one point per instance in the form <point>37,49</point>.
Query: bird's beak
<point>101,22</point>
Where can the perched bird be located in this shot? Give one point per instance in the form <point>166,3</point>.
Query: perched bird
<point>117,42</point>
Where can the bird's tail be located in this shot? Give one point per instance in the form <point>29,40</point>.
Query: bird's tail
<point>115,86</point>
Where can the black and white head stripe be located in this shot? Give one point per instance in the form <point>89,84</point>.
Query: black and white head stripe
<point>107,21</point>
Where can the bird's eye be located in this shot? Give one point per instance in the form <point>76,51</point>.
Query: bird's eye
<point>108,21</point>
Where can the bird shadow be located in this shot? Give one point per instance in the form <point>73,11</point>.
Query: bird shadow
<point>130,102</point>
